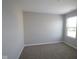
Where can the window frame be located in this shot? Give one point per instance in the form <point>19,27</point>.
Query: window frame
<point>66,28</point>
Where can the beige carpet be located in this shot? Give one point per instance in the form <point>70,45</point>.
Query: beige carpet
<point>49,51</point>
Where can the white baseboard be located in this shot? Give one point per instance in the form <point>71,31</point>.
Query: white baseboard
<point>70,45</point>
<point>20,52</point>
<point>26,45</point>
<point>42,43</point>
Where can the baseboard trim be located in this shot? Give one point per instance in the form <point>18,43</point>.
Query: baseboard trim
<point>70,45</point>
<point>20,52</point>
<point>26,45</point>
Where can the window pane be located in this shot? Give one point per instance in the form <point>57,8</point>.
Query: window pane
<point>71,22</point>
<point>71,33</point>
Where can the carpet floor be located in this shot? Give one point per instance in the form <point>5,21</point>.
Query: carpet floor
<point>49,51</point>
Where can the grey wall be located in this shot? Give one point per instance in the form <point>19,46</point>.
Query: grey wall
<point>12,26</point>
<point>42,28</point>
<point>71,41</point>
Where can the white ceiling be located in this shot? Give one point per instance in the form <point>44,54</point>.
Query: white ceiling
<point>48,6</point>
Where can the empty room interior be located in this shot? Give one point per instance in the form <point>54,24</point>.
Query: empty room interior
<point>39,29</point>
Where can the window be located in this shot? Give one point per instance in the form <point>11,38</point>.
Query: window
<point>71,27</point>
